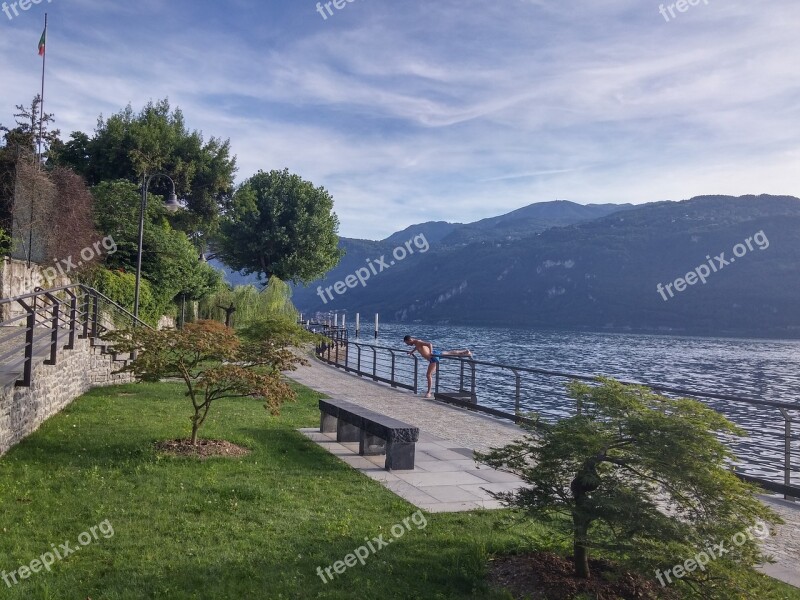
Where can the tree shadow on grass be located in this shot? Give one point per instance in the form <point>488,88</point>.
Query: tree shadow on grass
<point>411,567</point>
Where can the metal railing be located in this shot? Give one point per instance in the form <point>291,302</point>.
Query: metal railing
<point>51,320</point>
<point>379,363</point>
<point>768,456</point>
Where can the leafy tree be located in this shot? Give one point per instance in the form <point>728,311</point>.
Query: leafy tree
<point>278,224</point>
<point>157,139</point>
<point>214,363</point>
<point>119,286</point>
<point>641,476</point>
<point>169,260</point>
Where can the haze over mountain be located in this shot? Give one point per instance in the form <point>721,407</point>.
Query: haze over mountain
<point>562,265</point>
<point>439,235</point>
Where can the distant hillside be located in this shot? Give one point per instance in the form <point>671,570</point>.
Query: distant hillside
<point>600,274</point>
<point>439,235</point>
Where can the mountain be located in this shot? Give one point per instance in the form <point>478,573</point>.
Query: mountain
<point>598,273</point>
<point>530,219</point>
<point>439,234</point>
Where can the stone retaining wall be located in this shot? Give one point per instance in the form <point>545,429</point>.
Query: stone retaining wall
<point>18,279</point>
<point>53,387</point>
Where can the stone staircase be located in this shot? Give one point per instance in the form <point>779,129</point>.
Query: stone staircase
<point>13,338</point>
<point>35,382</point>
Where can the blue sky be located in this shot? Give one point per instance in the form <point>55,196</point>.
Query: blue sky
<point>410,110</point>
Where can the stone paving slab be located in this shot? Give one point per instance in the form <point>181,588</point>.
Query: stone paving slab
<point>446,431</point>
<point>437,484</point>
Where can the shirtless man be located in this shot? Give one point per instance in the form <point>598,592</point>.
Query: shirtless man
<point>432,356</point>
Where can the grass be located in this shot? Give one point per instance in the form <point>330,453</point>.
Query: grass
<point>247,528</point>
<point>252,527</point>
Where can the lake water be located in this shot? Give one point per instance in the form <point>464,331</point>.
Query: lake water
<point>761,369</point>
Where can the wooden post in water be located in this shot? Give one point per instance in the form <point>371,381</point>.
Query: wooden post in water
<point>358,324</point>
<point>344,318</point>
<point>376,325</point>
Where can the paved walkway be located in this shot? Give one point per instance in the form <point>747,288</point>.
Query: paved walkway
<point>450,431</point>
<point>445,477</point>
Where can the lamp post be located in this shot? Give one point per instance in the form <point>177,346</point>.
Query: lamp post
<point>171,205</point>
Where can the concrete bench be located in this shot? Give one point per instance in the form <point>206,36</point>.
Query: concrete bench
<point>375,433</point>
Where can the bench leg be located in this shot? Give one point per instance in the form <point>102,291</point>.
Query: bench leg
<point>345,432</point>
<point>400,456</point>
<point>327,423</point>
<point>371,445</point>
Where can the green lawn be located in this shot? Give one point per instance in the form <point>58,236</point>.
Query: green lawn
<point>248,528</point>
<point>254,527</point>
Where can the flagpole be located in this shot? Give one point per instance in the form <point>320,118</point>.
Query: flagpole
<point>41,103</point>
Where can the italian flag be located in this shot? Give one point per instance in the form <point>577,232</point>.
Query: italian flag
<point>42,41</point>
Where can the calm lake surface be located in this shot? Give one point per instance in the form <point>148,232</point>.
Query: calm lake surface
<point>761,369</point>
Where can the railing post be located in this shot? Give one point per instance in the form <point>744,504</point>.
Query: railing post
<point>787,449</point>
<point>517,391</point>
<point>95,316</point>
<point>73,319</point>
<point>358,359</point>
<point>30,325</point>
<point>472,382</point>
<point>374,364</point>
<point>416,375</point>
<point>391,376</point>
<point>54,336</point>
<point>336,344</point>
<point>436,385</point>
<point>85,314</point>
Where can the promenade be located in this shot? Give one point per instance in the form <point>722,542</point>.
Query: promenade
<point>443,480</point>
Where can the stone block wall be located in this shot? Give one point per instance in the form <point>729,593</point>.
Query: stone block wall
<point>53,387</point>
<point>17,279</point>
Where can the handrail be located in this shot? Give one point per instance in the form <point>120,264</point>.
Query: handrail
<point>80,286</point>
<point>57,319</point>
<point>653,386</point>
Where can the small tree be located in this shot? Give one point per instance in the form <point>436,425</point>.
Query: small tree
<point>639,475</point>
<point>213,363</point>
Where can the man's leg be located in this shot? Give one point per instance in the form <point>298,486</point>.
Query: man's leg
<point>431,369</point>
<point>458,353</point>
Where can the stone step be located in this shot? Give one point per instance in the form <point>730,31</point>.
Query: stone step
<point>11,367</point>
<point>9,377</point>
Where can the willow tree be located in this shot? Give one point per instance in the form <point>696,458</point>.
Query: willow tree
<point>248,305</point>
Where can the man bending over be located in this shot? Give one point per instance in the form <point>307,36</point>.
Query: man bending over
<point>427,352</point>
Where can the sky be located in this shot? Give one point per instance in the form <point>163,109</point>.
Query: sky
<point>442,110</point>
